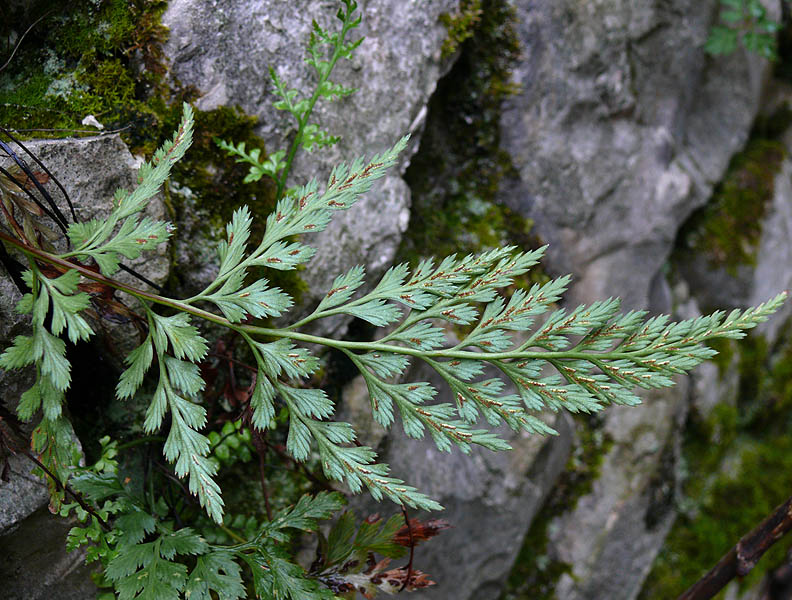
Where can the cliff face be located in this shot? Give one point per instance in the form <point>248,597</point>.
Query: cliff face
<point>604,124</point>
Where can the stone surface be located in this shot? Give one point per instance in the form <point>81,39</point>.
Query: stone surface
<point>225,50</point>
<point>742,285</point>
<point>21,495</point>
<point>43,570</point>
<point>91,170</point>
<point>613,534</point>
<point>621,127</point>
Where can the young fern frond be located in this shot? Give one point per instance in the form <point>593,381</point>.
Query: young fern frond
<point>324,51</point>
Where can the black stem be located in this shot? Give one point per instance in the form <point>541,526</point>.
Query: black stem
<point>61,218</point>
<point>67,490</point>
<point>38,203</point>
<point>46,170</point>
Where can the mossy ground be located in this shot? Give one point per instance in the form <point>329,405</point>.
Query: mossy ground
<point>727,229</point>
<point>96,57</point>
<point>738,463</point>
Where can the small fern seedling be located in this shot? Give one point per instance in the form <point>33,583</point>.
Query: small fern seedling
<point>324,51</point>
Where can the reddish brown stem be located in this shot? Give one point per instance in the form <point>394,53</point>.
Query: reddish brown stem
<point>263,476</point>
<point>739,561</point>
<point>412,549</point>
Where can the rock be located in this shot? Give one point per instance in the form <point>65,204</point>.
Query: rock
<point>773,272</point>
<point>770,272</point>
<point>225,50</point>
<point>632,499</point>
<point>35,565</point>
<point>21,495</point>
<point>91,170</point>
<point>619,131</point>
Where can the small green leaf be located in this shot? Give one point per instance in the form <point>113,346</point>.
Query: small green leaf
<point>215,572</point>
<point>139,361</point>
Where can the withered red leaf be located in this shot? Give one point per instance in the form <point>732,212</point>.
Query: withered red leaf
<point>421,531</point>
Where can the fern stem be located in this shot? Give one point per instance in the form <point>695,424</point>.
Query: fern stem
<point>314,98</point>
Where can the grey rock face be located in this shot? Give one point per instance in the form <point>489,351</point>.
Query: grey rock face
<point>226,48</point>
<point>613,534</point>
<point>747,284</point>
<point>91,170</point>
<point>35,565</point>
<point>619,131</point>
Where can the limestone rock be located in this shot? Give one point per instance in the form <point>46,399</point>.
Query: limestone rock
<point>620,129</point>
<point>35,565</point>
<point>91,170</point>
<point>613,534</point>
<point>742,285</point>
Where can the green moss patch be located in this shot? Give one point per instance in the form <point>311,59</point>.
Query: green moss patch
<point>739,468</point>
<point>728,228</point>
<point>460,25</point>
<point>454,177</point>
<point>99,57</point>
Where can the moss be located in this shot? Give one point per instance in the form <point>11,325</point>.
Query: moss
<point>101,57</point>
<point>215,179</point>
<point>536,572</point>
<point>728,228</point>
<point>739,468</point>
<point>461,25</point>
<point>454,177</point>
<point>104,58</point>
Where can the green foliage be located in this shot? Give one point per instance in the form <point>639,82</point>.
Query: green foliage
<point>579,360</point>
<point>743,23</point>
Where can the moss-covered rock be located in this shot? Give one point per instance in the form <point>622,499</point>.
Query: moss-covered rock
<point>738,463</point>
<point>98,57</point>
<point>727,229</point>
<point>536,570</point>
<point>455,175</point>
